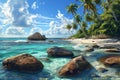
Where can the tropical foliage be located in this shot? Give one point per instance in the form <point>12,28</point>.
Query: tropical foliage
<point>107,23</point>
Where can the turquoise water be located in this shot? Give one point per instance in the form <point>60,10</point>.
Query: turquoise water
<point>14,46</point>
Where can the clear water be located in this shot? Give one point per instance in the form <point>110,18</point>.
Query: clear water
<point>14,46</point>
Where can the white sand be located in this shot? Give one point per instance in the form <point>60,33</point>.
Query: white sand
<point>100,42</point>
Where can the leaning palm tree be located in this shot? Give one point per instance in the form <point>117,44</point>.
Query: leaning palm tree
<point>83,25</point>
<point>77,18</point>
<point>83,28</point>
<point>88,17</point>
<point>68,26</point>
<point>72,8</point>
<point>97,1</point>
<point>107,5</point>
<point>74,26</point>
<point>88,5</point>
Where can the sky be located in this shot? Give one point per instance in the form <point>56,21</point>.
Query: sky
<point>21,18</point>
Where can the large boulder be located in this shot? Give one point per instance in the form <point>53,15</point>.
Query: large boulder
<point>37,36</point>
<point>111,60</point>
<point>59,52</point>
<point>75,66</point>
<point>23,62</point>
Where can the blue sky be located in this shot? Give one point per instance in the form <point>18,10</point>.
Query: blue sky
<point>20,18</point>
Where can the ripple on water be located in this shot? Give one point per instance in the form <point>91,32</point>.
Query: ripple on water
<point>51,68</point>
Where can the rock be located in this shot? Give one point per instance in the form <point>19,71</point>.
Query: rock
<point>37,36</point>
<point>43,36</point>
<point>103,70</point>
<point>75,66</point>
<point>111,60</point>
<point>95,75</point>
<point>23,62</point>
<point>112,50</point>
<point>107,47</point>
<point>59,52</point>
<point>50,41</point>
<point>90,49</point>
<point>95,46</point>
<point>46,59</point>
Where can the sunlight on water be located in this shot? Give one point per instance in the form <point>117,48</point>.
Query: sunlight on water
<point>14,47</point>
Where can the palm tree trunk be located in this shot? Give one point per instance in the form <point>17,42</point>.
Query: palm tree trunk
<point>113,13</point>
<point>83,30</point>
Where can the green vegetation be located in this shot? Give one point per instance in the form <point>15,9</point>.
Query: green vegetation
<point>104,25</point>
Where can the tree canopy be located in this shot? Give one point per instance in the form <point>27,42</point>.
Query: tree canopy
<point>106,24</point>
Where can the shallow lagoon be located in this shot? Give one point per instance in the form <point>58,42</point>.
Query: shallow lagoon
<point>13,46</point>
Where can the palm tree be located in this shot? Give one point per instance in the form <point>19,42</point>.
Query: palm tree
<point>97,1</point>
<point>77,18</point>
<point>88,5</point>
<point>107,5</point>
<point>74,26</point>
<point>83,27</point>
<point>72,8</point>
<point>88,17</point>
<point>68,26</point>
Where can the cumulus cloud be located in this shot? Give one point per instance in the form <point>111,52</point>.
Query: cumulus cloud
<point>16,13</point>
<point>15,31</point>
<point>57,28</point>
<point>34,5</point>
<point>36,29</point>
<point>16,17</point>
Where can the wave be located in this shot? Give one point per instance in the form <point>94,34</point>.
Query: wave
<point>17,41</point>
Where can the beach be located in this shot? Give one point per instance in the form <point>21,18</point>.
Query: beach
<point>52,65</point>
<point>100,42</point>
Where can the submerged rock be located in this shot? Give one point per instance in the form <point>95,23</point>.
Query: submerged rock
<point>90,49</point>
<point>37,36</point>
<point>107,47</point>
<point>112,50</point>
<point>95,46</point>
<point>45,59</point>
<point>103,70</point>
<point>23,62</point>
<point>75,66</point>
<point>111,60</point>
<point>59,52</point>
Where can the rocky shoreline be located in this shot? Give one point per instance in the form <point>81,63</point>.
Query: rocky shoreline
<point>28,63</point>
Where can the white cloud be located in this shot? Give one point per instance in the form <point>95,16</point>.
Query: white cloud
<point>57,28</point>
<point>11,31</point>
<point>34,5</point>
<point>16,13</point>
<point>36,29</point>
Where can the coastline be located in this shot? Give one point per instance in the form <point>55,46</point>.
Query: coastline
<point>101,42</point>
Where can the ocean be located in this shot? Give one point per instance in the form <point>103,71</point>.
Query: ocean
<point>14,46</point>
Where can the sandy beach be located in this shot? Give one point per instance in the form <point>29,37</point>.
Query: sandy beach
<point>100,42</point>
